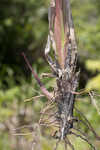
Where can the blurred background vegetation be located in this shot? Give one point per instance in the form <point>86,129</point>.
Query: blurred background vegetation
<point>24,27</point>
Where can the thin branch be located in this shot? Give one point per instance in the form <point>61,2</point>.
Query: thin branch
<point>65,144</point>
<point>91,94</point>
<point>88,124</point>
<point>34,97</point>
<point>22,134</point>
<point>47,75</point>
<point>22,127</point>
<point>85,139</point>
<point>69,143</point>
<point>57,143</point>
<point>43,89</point>
<point>85,135</point>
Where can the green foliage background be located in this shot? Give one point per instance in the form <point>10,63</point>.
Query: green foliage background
<point>24,27</point>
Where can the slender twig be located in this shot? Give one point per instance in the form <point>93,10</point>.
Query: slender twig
<point>69,143</point>
<point>91,94</point>
<point>32,98</point>
<point>47,75</point>
<point>43,89</point>
<point>88,124</point>
<point>57,143</point>
<point>80,92</point>
<point>22,127</point>
<point>83,138</point>
<point>84,134</point>
<point>65,144</point>
<point>49,116</point>
<point>22,134</point>
<point>49,125</point>
<point>49,106</point>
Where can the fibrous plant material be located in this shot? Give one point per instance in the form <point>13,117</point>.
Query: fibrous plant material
<point>58,111</point>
